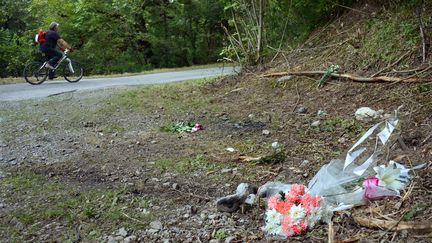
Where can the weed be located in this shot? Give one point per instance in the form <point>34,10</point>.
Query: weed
<point>220,234</point>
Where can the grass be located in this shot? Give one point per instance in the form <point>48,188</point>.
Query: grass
<point>44,199</point>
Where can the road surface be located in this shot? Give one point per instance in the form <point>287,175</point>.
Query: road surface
<point>13,92</point>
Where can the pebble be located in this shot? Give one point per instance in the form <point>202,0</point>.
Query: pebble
<point>316,123</point>
<point>304,163</point>
<point>175,186</point>
<point>226,170</point>
<point>153,142</point>
<point>301,110</point>
<point>111,240</point>
<point>130,239</point>
<point>266,132</point>
<point>230,239</point>
<point>122,232</point>
<point>321,113</point>
<point>118,238</point>
<point>157,225</point>
<point>275,145</point>
<point>214,241</point>
<point>166,184</point>
<point>2,205</point>
<point>230,150</point>
<point>284,78</point>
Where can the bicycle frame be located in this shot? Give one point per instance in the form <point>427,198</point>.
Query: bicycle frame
<point>64,57</point>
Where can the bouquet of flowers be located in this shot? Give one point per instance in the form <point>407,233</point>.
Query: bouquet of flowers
<point>293,212</point>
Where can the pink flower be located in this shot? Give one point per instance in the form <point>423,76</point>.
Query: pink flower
<point>299,227</point>
<point>287,226</point>
<point>283,207</point>
<point>297,189</point>
<point>272,202</point>
<point>292,197</point>
<point>370,182</point>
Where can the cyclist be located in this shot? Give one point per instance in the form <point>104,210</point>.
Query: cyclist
<point>52,40</point>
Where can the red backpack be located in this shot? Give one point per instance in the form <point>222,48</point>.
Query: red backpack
<point>40,37</point>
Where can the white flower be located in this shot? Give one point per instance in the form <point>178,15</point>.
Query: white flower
<point>273,216</point>
<point>389,177</point>
<point>273,228</point>
<point>297,213</point>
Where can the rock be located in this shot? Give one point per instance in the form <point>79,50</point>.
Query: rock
<point>366,114</point>
<point>316,123</point>
<point>304,163</point>
<point>119,238</point>
<point>275,145</point>
<point>284,78</point>
<point>157,225</point>
<point>301,110</point>
<point>175,186</point>
<point>215,241</point>
<point>2,205</point>
<point>166,241</point>
<point>321,113</point>
<point>266,132</point>
<point>111,240</point>
<point>130,239</point>
<point>251,116</point>
<point>230,150</point>
<point>122,232</point>
<point>226,170</point>
<point>232,203</point>
<point>230,239</point>
<point>166,184</point>
<point>250,199</point>
<point>152,231</point>
<point>153,142</point>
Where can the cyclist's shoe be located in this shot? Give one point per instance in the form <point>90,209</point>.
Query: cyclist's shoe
<point>47,65</point>
<point>52,77</point>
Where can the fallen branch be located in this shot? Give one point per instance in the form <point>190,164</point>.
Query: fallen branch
<point>391,65</point>
<point>348,76</point>
<point>420,227</point>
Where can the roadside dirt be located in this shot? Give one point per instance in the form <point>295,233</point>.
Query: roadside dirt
<point>84,143</point>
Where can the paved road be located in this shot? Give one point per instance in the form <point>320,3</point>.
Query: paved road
<point>12,92</point>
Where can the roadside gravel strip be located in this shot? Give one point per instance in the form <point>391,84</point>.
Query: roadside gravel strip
<point>13,92</point>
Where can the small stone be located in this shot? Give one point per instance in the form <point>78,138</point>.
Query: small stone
<point>166,184</point>
<point>175,186</point>
<point>153,142</point>
<point>342,140</point>
<point>2,205</point>
<point>284,78</point>
<point>152,231</point>
<point>316,123</point>
<point>130,239</point>
<point>266,132</point>
<point>321,113</point>
<point>230,150</point>
<point>119,238</point>
<point>301,110</point>
<point>185,216</point>
<point>226,170</point>
<point>157,225</point>
<point>166,241</point>
<point>305,175</point>
<point>251,116</point>
<point>275,145</point>
<point>304,163</point>
<point>122,232</point>
<point>215,241</point>
<point>213,216</point>
<point>111,240</point>
<point>230,239</point>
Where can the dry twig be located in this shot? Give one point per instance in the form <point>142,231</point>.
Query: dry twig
<point>350,76</point>
<point>421,227</point>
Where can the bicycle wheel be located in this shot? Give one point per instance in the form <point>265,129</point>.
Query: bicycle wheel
<point>34,74</point>
<point>73,71</point>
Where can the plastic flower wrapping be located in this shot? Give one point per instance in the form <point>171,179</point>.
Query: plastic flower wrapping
<point>338,185</point>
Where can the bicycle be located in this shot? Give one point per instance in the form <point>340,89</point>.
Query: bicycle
<point>36,72</point>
